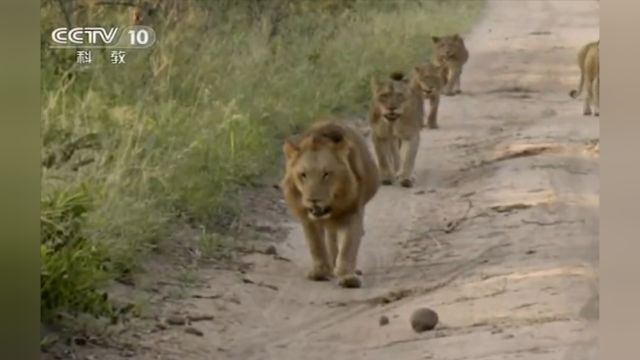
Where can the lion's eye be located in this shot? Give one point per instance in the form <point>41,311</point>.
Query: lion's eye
<point>303,175</point>
<point>325,175</point>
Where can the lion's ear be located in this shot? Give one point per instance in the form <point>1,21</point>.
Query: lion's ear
<point>435,39</point>
<point>337,141</point>
<point>335,135</point>
<point>290,149</point>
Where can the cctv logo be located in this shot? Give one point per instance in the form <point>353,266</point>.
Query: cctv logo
<point>83,36</point>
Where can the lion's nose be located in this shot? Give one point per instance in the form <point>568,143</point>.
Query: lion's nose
<point>392,108</point>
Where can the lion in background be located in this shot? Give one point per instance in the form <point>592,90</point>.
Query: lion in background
<point>451,54</point>
<point>429,79</point>
<point>395,116</point>
<point>330,176</point>
<point>589,63</point>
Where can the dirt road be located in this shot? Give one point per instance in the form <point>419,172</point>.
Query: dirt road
<point>499,236</point>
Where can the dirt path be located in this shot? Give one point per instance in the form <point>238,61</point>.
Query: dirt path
<point>499,236</point>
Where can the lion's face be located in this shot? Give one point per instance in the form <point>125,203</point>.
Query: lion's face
<point>391,96</point>
<point>446,47</point>
<point>318,168</point>
<point>429,79</point>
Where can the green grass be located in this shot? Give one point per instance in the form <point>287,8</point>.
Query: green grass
<point>168,138</point>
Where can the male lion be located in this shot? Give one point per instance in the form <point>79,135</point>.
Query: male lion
<point>330,176</point>
<point>395,115</point>
<point>429,79</point>
<point>451,54</point>
<point>589,62</point>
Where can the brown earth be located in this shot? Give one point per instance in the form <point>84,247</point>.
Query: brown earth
<point>499,236</point>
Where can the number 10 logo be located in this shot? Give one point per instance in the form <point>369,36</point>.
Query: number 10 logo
<point>138,37</point>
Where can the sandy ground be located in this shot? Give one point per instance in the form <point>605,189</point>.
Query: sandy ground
<point>499,235</point>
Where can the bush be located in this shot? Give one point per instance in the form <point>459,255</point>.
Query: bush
<point>73,269</point>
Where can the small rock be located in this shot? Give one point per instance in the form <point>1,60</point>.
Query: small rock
<point>423,319</point>
<point>176,320</point>
<point>271,250</point>
<point>161,326</point>
<point>80,341</point>
<point>202,317</point>
<point>193,331</point>
<point>383,320</point>
<point>128,353</point>
<point>530,252</point>
<point>419,192</point>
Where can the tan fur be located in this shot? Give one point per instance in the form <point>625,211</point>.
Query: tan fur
<point>589,63</point>
<point>330,176</point>
<point>430,82</point>
<point>451,54</point>
<point>395,116</point>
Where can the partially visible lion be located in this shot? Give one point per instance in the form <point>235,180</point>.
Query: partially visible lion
<point>451,54</point>
<point>589,62</point>
<point>396,115</point>
<point>330,176</point>
<point>430,82</point>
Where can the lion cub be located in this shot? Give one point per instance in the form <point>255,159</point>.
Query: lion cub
<point>589,62</point>
<point>451,54</point>
<point>330,176</point>
<point>429,79</point>
<point>395,115</point>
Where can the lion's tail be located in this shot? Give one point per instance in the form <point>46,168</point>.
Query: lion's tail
<point>576,92</point>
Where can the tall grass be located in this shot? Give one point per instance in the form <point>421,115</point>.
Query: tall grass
<point>178,128</point>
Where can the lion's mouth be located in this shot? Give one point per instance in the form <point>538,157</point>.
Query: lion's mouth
<point>392,116</point>
<point>427,92</point>
<point>319,211</point>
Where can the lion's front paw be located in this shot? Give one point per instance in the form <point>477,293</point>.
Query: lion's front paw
<point>349,281</point>
<point>406,183</point>
<point>319,273</point>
